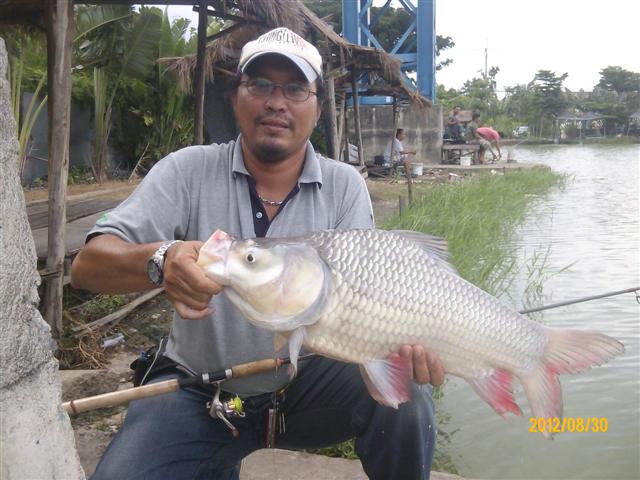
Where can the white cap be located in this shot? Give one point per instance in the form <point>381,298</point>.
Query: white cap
<point>283,41</point>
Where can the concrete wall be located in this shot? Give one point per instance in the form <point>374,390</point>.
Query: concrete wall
<point>422,126</point>
<point>36,439</point>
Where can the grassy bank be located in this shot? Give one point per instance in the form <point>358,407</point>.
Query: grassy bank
<point>478,217</point>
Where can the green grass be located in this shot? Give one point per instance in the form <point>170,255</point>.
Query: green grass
<point>478,218</point>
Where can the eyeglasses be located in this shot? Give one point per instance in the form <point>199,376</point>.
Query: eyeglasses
<point>263,88</point>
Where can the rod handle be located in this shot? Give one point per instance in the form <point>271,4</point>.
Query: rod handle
<point>259,366</point>
<point>121,397</point>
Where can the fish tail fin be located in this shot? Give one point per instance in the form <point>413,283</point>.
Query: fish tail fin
<point>567,351</point>
<point>496,389</point>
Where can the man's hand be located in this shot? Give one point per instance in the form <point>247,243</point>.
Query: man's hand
<point>426,365</point>
<point>186,285</point>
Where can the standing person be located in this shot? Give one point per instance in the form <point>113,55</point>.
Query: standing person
<point>454,128</point>
<point>493,137</point>
<point>396,150</point>
<point>269,182</point>
<point>474,137</point>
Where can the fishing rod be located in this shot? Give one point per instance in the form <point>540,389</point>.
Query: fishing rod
<point>122,397</point>
<point>584,299</point>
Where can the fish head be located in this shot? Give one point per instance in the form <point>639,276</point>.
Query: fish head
<point>276,284</point>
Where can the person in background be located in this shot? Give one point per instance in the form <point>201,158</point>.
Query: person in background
<point>474,137</point>
<point>269,182</point>
<point>398,152</point>
<point>454,128</point>
<point>493,137</point>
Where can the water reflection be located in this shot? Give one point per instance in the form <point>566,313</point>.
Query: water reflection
<point>588,236</point>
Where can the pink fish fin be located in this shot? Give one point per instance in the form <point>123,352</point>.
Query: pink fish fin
<point>496,389</point>
<point>567,351</point>
<point>295,344</point>
<point>388,380</point>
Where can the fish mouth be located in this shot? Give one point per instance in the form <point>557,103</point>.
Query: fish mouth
<point>213,256</point>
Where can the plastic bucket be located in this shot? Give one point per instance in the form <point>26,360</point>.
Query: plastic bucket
<point>465,161</point>
<point>417,169</point>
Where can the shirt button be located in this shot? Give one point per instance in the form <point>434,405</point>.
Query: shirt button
<point>259,215</point>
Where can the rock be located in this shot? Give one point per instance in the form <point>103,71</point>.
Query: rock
<point>36,439</point>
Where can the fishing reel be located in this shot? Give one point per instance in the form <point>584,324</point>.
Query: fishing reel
<point>232,408</point>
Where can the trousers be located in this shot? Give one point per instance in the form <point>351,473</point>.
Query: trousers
<point>173,437</point>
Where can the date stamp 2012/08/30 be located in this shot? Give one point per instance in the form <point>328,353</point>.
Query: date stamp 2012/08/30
<point>568,424</point>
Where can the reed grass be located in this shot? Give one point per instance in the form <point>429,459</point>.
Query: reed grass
<point>478,218</point>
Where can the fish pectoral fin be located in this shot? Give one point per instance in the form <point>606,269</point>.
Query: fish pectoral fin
<point>295,344</point>
<point>388,380</point>
<point>496,389</point>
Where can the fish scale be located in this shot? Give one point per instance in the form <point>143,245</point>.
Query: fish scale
<point>404,300</point>
<point>369,292</point>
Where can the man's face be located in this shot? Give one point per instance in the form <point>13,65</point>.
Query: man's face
<point>274,127</point>
<point>401,136</point>
<point>456,110</point>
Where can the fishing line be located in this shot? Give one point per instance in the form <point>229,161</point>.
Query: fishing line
<point>585,299</point>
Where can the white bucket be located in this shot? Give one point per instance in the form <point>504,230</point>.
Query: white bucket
<point>417,169</point>
<point>465,161</point>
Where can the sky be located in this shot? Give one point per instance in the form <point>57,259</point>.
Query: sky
<point>578,37</point>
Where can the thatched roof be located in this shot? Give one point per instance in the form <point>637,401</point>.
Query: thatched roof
<point>223,53</point>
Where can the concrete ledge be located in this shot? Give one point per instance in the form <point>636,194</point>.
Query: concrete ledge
<point>275,464</point>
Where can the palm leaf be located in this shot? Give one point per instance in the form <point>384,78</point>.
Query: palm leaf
<point>90,19</point>
<point>142,44</point>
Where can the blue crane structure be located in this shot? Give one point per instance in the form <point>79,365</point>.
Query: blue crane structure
<point>415,48</point>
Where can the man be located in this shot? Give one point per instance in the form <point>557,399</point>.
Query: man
<point>396,150</point>
<point>474,137</point>
<point>269,182</point>
<point>454,129</point>
<point>493,137</point>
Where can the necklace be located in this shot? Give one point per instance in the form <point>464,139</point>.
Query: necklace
<point>269,202</point>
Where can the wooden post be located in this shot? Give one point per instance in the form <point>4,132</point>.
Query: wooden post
<point>60,28</point>
<point>392,166</point>
<point>342,122</point>
<point>333,126</point>
<point>356,117</point>
<point>198,125</point>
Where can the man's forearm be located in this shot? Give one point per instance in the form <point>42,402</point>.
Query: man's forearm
<point>108,264</point>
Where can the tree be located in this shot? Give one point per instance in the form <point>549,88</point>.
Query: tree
<point>619,80</point>
<point>118,43</point>
<point>617,95</point>
<point>548,99</point>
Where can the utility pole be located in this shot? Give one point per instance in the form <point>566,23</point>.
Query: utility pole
<point>486,56</point>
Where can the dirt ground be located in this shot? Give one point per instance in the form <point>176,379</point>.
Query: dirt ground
<point>148,323</point>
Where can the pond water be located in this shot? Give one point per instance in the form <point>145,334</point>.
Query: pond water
<point>592,227</point>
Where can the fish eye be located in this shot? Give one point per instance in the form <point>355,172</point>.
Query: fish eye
<point>250,258</point>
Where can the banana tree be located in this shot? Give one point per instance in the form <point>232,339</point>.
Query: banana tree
<point>126,49</point>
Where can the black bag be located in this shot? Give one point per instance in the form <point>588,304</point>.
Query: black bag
<point>151,363</point>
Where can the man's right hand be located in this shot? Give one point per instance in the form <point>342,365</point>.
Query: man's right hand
<point>186,285</point>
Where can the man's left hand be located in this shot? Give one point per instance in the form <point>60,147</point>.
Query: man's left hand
<point>427,367</point>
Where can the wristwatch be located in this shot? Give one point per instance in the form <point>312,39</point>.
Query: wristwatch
<point>156,263</point>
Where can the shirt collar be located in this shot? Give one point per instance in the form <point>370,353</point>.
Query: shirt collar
<point>311,171</point>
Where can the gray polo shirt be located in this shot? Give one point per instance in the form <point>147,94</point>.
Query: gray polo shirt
<point>194,191</point>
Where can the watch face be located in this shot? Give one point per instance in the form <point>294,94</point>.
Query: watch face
<point>153,270</point>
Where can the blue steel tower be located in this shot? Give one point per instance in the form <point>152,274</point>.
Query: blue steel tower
<point>358,26</point>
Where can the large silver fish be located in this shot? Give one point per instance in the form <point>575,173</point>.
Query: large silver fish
<point>358,295</point>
